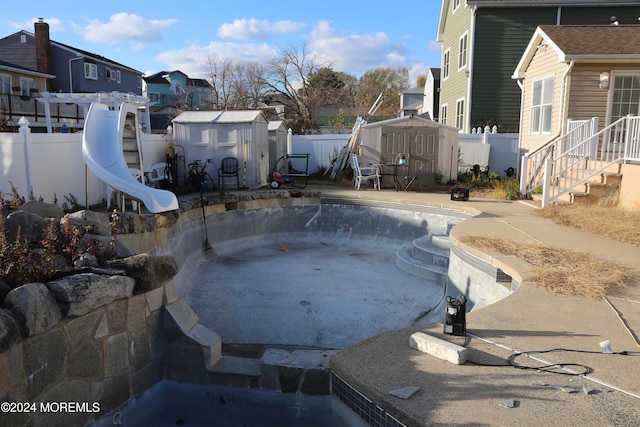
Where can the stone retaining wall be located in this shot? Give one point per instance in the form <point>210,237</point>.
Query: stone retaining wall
<point>78,347</point>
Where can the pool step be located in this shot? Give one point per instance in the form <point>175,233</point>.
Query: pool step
<point>283,370</point>
<point>432,249</point>
<point>427,256</point>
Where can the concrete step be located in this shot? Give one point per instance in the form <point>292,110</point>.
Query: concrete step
<point>406,262</point>
<point>432,249</point>
<point>283,370</point>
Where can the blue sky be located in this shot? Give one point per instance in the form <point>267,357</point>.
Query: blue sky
<point>152,36</point>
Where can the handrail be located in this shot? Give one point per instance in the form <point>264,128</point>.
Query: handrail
<point>532,167</point>
<point>561,173</point>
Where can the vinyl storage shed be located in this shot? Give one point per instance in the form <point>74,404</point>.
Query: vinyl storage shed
<point>277,141</point>
<point>218,134</point>
<point>422,141</point>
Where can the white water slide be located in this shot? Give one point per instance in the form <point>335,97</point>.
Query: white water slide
<point>102,152</point>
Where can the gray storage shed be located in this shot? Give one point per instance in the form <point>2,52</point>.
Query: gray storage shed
<point>423,142</point>
<point>277,141</point>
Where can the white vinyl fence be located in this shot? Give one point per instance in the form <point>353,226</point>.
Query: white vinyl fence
<point>51,164</point>
<point>504,151</point>
<point>322,148</point>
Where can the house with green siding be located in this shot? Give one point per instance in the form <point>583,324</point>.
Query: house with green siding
<point>483,41</point>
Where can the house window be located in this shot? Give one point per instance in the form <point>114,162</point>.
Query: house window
<point>26,85</point>
<point>90,71</point>
<point>139,82</point>
<point>444,111</point>
<point>153,97</point>
<point>460,113</point>
<point>462,51</point>
<point>118,77</point>
<point>542,105</point>
<point>456,5</point>
<point>445,64</point>
<point>5,83</point>
<point>626,96</point>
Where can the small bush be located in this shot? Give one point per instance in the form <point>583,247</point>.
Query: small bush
<point>23,262</point>
<point>19,263</point>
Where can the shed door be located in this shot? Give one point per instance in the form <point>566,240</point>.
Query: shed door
<point>420,143</point>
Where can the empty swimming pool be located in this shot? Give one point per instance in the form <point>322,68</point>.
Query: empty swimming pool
<point>326,275</point>
<point>320,276</point>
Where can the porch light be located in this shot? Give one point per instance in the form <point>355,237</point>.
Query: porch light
<point>604,80</point>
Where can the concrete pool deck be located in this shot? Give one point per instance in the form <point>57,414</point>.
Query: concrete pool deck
<point>531,320</point>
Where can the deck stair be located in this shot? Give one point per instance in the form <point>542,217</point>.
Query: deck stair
<point>594,191</point>
<point>577,157</point>
<point>426,256</point>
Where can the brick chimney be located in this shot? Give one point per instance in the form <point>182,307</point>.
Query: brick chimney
<point>43,46</point>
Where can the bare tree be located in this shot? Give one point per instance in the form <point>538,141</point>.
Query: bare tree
<point>287,77</point>
<point>235,84</point>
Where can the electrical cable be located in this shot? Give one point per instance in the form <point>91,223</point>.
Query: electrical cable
<point>554,368</point>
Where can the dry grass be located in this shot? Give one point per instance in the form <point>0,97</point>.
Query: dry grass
<point>561,272</point>
<point>612,222</point>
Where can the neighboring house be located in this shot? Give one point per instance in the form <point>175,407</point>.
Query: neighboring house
<point>75,70</point>
<point>18,87</point>
<point>577,72</point>
<point>411,102</point>
<point>431,105</point>
<point>176,89</point>
<point>580,91</point>
<point>482,42</point>
<point>21,81</point>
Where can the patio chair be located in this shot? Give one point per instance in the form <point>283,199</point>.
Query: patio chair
<point>364,172</point>
<point>229,167</point>
<point>156,174</point>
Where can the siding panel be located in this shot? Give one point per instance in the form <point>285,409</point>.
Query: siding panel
<point>502,35</point>
<point>544,64</point>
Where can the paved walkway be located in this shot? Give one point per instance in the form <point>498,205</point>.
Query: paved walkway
<point>529,320</point>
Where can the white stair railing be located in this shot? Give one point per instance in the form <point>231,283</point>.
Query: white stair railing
<point>533,164</point>
<point>616,143</point>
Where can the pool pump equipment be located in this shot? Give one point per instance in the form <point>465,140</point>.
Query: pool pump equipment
<point>455,318</point>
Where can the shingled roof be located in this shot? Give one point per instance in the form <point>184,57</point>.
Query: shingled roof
<point>597,43</point>
<point>595,40</point>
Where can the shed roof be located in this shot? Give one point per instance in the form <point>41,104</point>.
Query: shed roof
<point>410,121</point>
<point>239,116</point>
<point>276,124</point>
<point>592,43</point>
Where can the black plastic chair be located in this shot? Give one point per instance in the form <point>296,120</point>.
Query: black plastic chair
<point>229,167</point>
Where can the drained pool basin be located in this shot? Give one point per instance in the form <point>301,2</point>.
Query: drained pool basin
<point>324,276</point>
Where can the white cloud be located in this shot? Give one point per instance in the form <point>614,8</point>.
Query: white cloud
<point>193,59</point>
<point>54,24</point>
<point>124,27</point>
<point>357,53</point>
<point>255,29</point>
<point>345,51</point>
